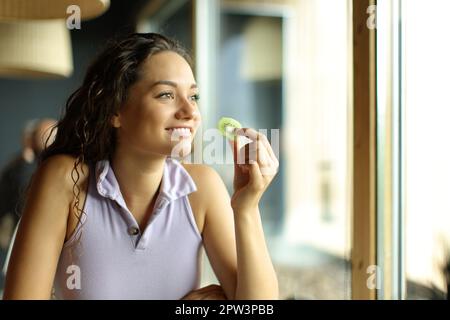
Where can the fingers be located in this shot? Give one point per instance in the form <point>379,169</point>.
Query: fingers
<point>256,180</point>
<point>250,133</point>
<point>254,135</point>
<point>269,148</point>
<point>267,165</point>
<point>216,295</point>
<point>211,292</point>
<point>259,151</point>
<point>234,144</point>
<point>263,155</point>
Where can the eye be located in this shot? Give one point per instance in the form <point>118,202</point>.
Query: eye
<point>169,95</point>
<point>195,97</point>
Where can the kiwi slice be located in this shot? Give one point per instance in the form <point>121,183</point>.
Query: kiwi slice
<point>226,127</point>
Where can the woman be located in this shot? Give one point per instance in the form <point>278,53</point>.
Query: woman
<point>110,215</point>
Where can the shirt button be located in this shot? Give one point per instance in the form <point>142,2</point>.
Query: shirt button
<point>133,231</point>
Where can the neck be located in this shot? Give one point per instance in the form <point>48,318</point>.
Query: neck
<point>139,176</point>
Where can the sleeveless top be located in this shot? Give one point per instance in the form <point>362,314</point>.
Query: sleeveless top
<point>108,257</point>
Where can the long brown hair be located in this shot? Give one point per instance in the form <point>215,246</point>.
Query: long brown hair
<point>85,130</point>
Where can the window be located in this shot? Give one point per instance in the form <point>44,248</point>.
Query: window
<point>414,214</point>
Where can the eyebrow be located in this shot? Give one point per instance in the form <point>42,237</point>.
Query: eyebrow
<point>170,83</point>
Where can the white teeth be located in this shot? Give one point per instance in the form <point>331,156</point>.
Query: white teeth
<point>181,131</point>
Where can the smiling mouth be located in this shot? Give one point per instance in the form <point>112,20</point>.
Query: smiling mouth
<point>179,132</point>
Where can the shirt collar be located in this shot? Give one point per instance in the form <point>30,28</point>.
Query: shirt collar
<point>176,182</point>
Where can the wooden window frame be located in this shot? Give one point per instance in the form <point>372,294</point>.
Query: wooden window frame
<point>364,152</point>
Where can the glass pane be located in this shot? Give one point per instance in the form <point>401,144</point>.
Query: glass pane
<point>427,173</point>
<point>286,67</point>
<point>390,279</point>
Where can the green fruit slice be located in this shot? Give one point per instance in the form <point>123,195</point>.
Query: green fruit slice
<point>226,126</point>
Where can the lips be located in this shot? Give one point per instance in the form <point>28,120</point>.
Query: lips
<point>180,127</point>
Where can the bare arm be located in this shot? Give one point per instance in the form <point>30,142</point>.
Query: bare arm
<point>256,275</point>
<point>41,232</point>
<point>235,245</point>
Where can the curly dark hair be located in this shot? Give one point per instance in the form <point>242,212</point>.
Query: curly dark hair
<point>85,130</point>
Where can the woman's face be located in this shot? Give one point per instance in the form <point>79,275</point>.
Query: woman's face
<point>164,97</point>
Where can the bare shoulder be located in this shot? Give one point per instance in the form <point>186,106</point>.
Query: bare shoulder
<point>58,171</point>
<point>62,168</point>
<point>204,176</point>
<point>59,168</point>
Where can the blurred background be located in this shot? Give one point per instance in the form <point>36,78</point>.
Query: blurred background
<point>285,66</point>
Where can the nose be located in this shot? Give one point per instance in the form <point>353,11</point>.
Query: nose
<point>187,110</point>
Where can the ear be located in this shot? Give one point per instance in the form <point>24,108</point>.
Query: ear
<point>115,121</point>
